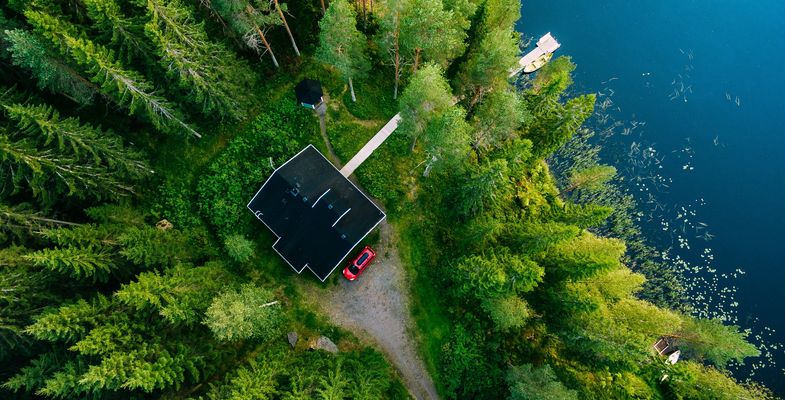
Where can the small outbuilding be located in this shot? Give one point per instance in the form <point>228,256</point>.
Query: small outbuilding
<point>309,93</point>
<point>318,215</point>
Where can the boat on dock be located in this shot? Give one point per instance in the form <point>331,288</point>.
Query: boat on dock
<point>538,57</point>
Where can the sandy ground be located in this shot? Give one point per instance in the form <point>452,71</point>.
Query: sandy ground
<point>376,308</point>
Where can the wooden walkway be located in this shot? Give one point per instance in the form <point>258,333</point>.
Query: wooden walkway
<point>546,44</point>
<point>372,145</point>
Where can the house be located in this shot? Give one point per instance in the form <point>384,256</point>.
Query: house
<point>309,93</point>
<point>318,215</point>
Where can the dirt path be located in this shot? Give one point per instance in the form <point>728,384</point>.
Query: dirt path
<point>376,307</point>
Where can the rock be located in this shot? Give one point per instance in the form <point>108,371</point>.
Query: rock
<point>324,343</point>
<point>164,225</point>
<point>292,337</point>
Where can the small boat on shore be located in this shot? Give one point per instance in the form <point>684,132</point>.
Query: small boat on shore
<point>538,63</point>
<point>538,57</point>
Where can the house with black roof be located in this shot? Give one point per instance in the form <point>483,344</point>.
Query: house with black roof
<point>318,215</point>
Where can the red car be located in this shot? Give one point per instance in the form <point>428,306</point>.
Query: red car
<point>359,264</point>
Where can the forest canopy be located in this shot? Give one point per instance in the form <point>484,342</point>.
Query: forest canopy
<point>133,133</point>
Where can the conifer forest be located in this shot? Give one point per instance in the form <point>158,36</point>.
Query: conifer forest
<point>134,132</point>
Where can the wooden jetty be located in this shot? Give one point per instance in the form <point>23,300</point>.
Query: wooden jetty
<point>372,145</point>
<point>546,45</point>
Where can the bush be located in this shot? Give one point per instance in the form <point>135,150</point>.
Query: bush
<point>250,313</point>
<point>229,181</point>
<point>238,247</point>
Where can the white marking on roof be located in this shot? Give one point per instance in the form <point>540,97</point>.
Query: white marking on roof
<point>339,218</point>
<point>320,197</point>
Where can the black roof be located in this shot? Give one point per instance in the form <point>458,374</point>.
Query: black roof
<point>318,215</point>
<point>309,91</point>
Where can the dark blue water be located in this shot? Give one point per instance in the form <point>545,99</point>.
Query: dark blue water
<point>680,67</point>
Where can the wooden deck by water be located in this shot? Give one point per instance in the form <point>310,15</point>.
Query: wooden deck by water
<point>546,44</point>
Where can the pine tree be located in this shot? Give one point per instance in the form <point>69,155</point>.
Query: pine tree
<point>341,45</point>
<point>388,38</point>
<point>428,33</point>
<point>217,78</point>
<point>281,15</point>
<point>497,119</point>
<point>128,88</point>
<point>425,99</point>
<point>487,66</point>
<point>51,72</point>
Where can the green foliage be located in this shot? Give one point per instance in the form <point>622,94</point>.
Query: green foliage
<point>123,33</point>
<point>51,72</point>
<point>695,381</point>
<point>584,256</point>
<point>711,340</point>
<point>76,262</point>
<point>426,97</point>
<point>180,295</point>
<point>233,177</point>
<point>497,119</point>
<point>530,383</point>
<point>69,322</point>
<point>239,248</point>
<point>467,373</point>
<point>495,274</point>
<point>340,44</point>
<point>488,189</point>
<point>217,79</point>
<point>553,123</point>
<point>150,246</point>
<point>250,313</point>
<point>507,312</point>
<point>128,88</point>
<point>427,33</point>
<point>84,141</point>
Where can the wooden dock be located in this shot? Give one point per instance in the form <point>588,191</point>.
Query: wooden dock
<point>372,145</point>
<point>546,44</point>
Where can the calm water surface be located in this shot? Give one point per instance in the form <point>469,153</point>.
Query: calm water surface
<point>702,83</point>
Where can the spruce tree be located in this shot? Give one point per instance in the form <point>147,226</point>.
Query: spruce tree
<point>215,76</point>
<point>123,33</point>
<point>68,135</point>
<point>249,19</point>
<point>126,87</point>
<point>48,68</point>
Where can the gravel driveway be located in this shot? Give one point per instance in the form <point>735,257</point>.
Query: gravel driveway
<point>376,307</point>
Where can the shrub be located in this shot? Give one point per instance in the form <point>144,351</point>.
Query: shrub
<point>231,179</point>
<point>250,313</point>
<point>238,247</point>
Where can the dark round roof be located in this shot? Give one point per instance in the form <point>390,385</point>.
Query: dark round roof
<point>309,91</point>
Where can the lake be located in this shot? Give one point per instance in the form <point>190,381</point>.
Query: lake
<point>701,84</point>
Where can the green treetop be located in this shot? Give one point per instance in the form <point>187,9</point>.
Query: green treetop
<point>126,87</point>
<point>341,45</point>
